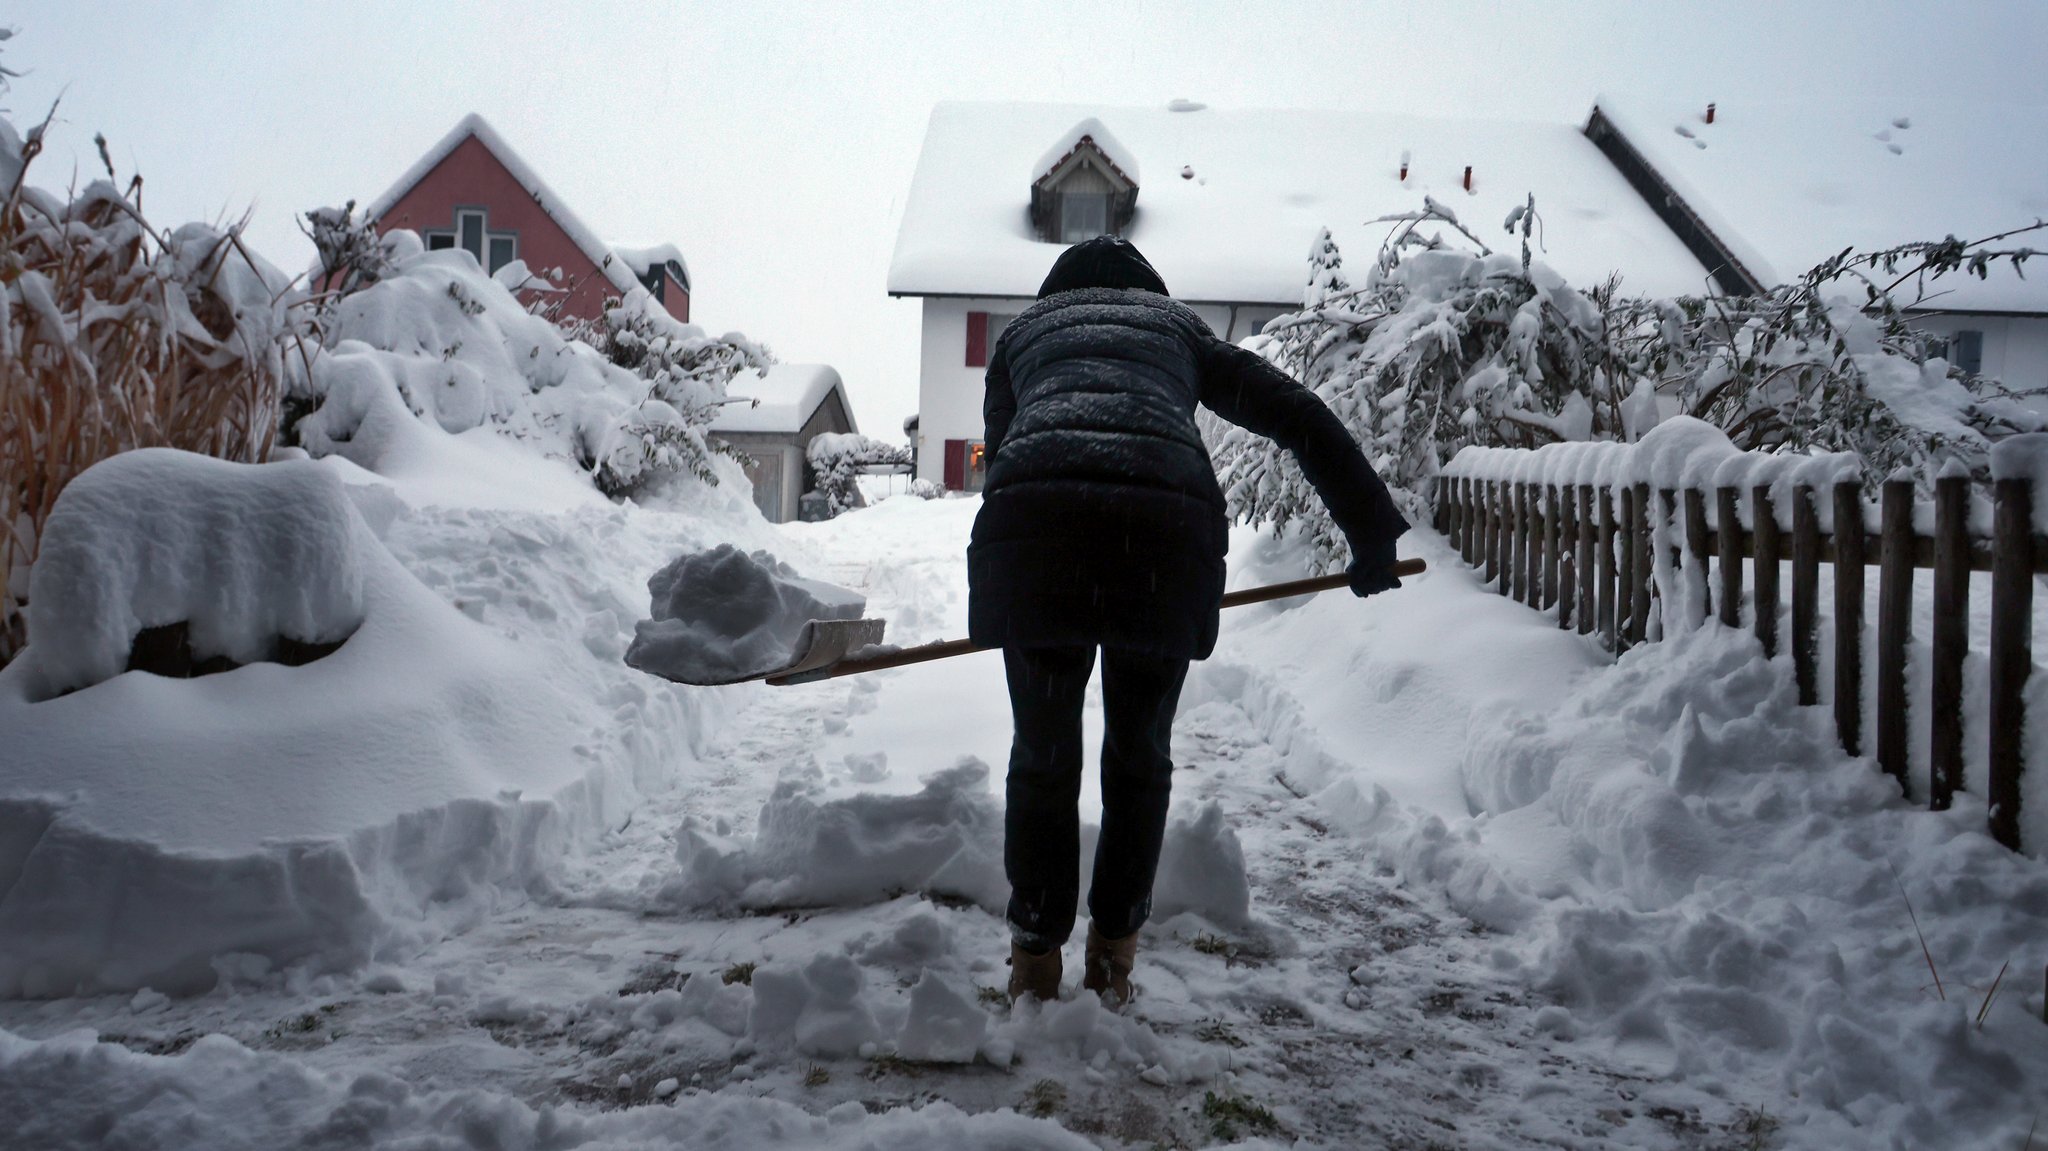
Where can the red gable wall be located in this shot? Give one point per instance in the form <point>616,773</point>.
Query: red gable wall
<point>472,177</point>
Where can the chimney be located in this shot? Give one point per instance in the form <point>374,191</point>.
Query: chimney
<point>1710,113</point>
<point>1468,177</point>
<point>1404,166</point>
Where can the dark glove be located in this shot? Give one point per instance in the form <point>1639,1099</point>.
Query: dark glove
<point>1372,569</point>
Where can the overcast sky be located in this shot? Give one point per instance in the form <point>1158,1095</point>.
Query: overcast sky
<point>774,142</point>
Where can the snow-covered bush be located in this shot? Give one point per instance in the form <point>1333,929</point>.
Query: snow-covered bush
<point>1448,344</point>
<point>242,555</point>
<point>116,335</point>
<point>686,374</point>
<point>1829,362</point>
<point>1442,346</point>
<point>352,254</point>
<point>837,460</point>
<point>436,340</point>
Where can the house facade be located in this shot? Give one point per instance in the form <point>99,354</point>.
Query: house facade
<point>1228,203</point>
<point>472,191</point>
<point>771,421</point>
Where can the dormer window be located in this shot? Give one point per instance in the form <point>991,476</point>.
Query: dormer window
<point>1085,186</point>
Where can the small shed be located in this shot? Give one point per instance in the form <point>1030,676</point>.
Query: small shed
<point>773,419</point>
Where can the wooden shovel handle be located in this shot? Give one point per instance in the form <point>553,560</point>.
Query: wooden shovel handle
<point>1408,567</point>
<point>946,649</point>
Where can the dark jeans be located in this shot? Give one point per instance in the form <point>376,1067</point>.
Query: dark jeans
<point>1041,829</point>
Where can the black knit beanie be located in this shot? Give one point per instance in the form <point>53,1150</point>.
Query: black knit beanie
<point>1103,262</point>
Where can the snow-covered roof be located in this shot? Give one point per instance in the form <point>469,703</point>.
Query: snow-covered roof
<point>1786,186</point>
<point>643,260</point>
<point>789,395</point>
<point>600,253</point>
<point>1261,184</point>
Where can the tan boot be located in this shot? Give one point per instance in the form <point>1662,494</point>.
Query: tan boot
<point>1108,967</point>
<point>1037,975</point>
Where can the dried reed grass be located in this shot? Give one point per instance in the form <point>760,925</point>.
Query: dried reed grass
<point>110,340</point>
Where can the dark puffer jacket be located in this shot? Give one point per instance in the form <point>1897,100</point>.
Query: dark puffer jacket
<point>1101,519</point>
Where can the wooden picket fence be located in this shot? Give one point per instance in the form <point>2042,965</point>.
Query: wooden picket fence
<point>1585,551</point>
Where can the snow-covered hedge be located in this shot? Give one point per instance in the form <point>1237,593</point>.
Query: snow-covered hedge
<point>435,339</point>
<point>1448,344</point>
<point>837,460</point>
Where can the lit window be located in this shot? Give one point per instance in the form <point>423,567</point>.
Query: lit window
<point>977,465</point>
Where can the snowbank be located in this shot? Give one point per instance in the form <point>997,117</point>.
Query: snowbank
<point>477,728</point>
<point>723,616</point>
<point>944,840</point>
<point>1667,846</point>
<point>243,554</point>
<point>326,814</point>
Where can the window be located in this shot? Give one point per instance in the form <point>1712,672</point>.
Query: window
<point>983,330</point>
<point>1962,349</point>
<point>469,233</point>
<point>966,465</point>
<point>1967,351</point>
<point>1083,216</point>
<point>472,233</point>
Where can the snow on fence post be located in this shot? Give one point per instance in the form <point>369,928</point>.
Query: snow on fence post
<point>1805,596</point>
<point>1588,539</point>
<point>1951,639</point>
<point>1610,632</point>
<point>1769,551</point>
<point>1849,615</point>
<point>1645,581</point>
<point>1894,627</point>
<point>2013,465</point>
<point>1728,525</point>
<point>1697,555</point>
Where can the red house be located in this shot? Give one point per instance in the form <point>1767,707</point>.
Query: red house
<point>472,191</point>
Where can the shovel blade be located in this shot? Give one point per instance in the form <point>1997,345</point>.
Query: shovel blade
<point>821,643</point>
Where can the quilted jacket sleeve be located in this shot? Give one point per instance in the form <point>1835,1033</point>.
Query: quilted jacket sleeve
<point>1245,389</point>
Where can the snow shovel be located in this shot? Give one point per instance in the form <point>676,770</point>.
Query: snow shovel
<point>828,649</point>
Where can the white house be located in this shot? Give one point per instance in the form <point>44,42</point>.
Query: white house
<point>1761,193</point>
<point>1226,204</point>
<point>772,420</point>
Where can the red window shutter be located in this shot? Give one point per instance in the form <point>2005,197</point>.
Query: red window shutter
<point>956,465</point>
<point>977,339</point>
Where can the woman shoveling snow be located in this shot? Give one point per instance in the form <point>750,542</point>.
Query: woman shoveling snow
<point>1102,525</point>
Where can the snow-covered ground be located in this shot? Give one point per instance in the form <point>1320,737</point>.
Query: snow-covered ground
<point>1440,876</point>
